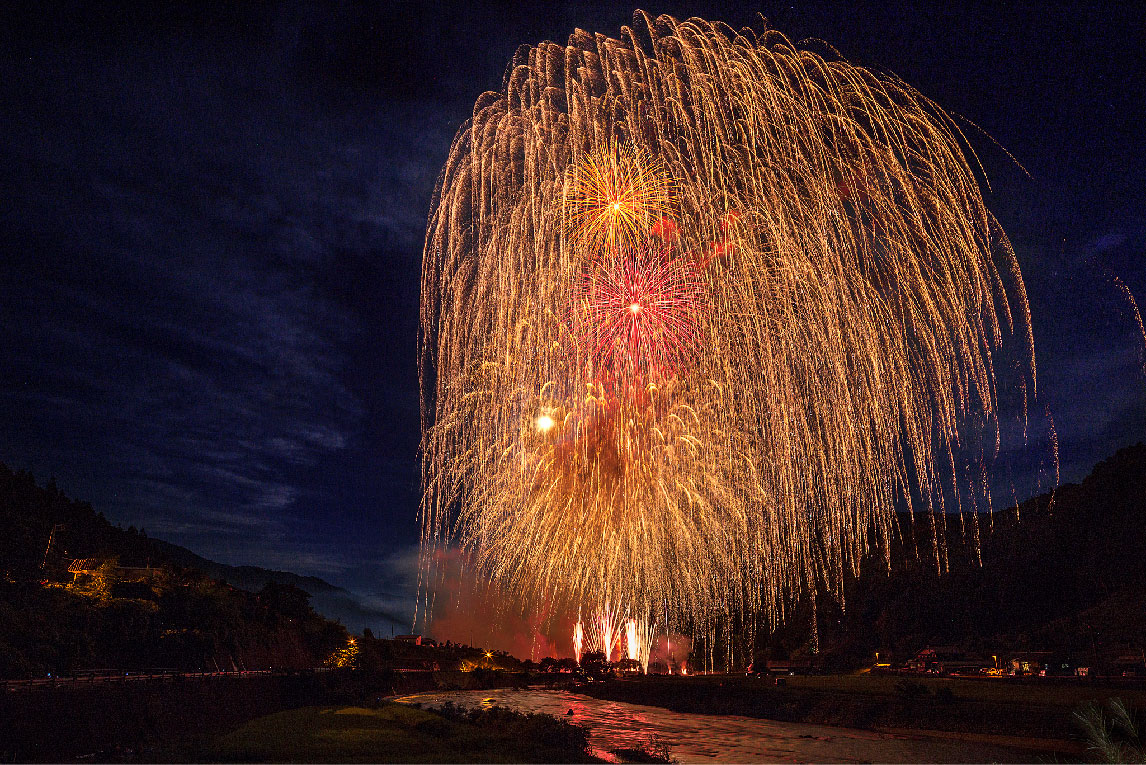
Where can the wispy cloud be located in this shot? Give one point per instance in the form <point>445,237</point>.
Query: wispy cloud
<point>178,328</point>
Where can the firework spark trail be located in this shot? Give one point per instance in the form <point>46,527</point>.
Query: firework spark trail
<point>607,631</point>
<point>840,358</point>
<point>639,635</point>
<point>609,637</point>
<point>1137,317</point>
<point>578,639</point>
<point>632,645</point>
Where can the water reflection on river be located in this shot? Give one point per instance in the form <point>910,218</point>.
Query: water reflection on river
<point>723,738</point>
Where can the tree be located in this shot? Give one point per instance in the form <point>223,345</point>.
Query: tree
<point>594,663</point>
<point>628,666</point>
<point>286,599</point>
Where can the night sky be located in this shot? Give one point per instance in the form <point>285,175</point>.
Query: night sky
<point>212,223</point>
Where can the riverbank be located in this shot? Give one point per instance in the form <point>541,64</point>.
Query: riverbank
<point>615,728</point>
<point>1030,716</point>
<point>389,732</point>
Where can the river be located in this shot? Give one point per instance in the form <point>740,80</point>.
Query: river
<point>727,738</point>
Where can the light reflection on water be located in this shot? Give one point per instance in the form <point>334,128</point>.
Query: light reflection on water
<point>723,738</point>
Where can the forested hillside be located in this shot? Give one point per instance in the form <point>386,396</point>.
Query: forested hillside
<point>1067,576</point>
<point>77,592</point>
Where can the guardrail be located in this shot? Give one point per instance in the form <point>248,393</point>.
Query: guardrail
<point>85,680</point>
<point>123,678</point>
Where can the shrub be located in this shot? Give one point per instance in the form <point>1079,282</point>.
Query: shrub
<point>1113,733</point>
<point>909,690</point>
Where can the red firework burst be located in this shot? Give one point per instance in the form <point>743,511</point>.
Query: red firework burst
<point>637,314</point>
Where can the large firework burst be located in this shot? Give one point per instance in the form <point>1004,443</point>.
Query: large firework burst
<point>787,259</point>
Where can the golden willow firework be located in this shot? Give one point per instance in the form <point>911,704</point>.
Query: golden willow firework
<point>831,293</point>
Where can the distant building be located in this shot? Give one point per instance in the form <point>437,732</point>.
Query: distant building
<point>800,665</point>
<point>81,568</point>
<point>946,660</point>
<point>84,567</point>
<point>414,639</point>
<point>1129,666</point>
<point>1059,665</point>
<point>1030,662</point>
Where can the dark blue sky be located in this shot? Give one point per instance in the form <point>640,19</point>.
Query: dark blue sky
<point>211,223</point>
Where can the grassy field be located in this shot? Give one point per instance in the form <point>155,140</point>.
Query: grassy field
<point>398,733</point>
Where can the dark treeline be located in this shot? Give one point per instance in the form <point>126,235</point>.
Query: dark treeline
<point>131,607</point>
